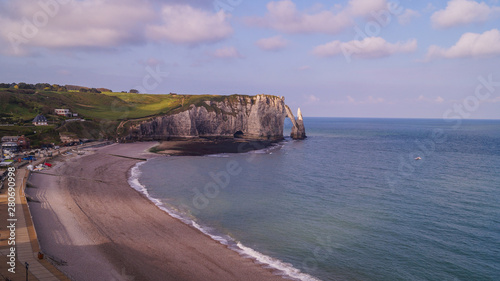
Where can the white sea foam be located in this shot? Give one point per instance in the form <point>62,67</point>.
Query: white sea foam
<point>221,155</point>
<point>285,269</point>
<point>268,150</point>
<point>281,268</point>
<point>133,180</point>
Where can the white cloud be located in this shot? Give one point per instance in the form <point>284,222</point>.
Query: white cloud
<point>486,44</point>
<point>353,101</point>
<point>272,44</point>
<point>461,12</point>
<point>312,99</point>
<point>371,47</point>
<point>407,16</point>
<point>365,7</point>
<point>494,100</point>
<point>284,16</point>
<point>438,99</point>
<point>70,25</point>
<point>30,24</point>
<point>227,53</point>
<point>372,100</point>
<point>187,25</point>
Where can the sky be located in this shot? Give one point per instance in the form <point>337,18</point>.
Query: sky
<point>351,58</point>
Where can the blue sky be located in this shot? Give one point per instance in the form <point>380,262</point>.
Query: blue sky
<point>353,58</point>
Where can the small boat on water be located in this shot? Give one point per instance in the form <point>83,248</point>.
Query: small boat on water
<point>418,158</point>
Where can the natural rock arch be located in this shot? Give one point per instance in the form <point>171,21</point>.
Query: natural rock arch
<point>298,129</point>
<point>238,135</point>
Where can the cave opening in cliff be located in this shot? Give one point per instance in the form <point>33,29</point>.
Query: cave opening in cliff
<point>238,135</point>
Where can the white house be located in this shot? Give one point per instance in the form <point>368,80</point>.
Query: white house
<point>40,120</point>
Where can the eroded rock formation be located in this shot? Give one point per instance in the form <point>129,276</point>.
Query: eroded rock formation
<point>298,129</point>
<point>254,117</point>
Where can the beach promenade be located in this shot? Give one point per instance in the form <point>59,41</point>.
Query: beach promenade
<point>26,243</point>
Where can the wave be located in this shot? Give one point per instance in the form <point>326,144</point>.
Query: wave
<point>281,268</point>
<point>285,269</point>
<point>268,150</point>
<point>219,155</point>
<point>133,181</point>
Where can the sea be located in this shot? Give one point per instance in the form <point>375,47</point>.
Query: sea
<point>359,199</point>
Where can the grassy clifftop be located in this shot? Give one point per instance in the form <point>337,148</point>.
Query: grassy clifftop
<point>103,111</point>
<point>26,104</point>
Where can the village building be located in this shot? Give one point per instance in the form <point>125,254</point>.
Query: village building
<point>62,111</point>
<point>23,142</point>
<point>65,112</point>
<point>15,143</point>
<point>9,146</point>
<point>40,120</point>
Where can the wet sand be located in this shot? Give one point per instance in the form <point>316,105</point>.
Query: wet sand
<point>90,218</point>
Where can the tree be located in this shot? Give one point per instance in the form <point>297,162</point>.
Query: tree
<point>133,91</point>
<point>42,86</point>
<point>83,90</point>
<point>23,85</point>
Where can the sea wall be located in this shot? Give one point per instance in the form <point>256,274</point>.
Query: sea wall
<point>253,117</point>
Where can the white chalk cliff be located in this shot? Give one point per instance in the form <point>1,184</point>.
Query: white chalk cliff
<point>252,117</point>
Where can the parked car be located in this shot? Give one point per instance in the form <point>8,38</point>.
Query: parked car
<point>30,158</point>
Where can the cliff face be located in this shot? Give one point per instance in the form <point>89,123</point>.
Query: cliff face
<point>256,117</point>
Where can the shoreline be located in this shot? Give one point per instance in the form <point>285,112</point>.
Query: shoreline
<point>277,266</point>
<point>117,231</point>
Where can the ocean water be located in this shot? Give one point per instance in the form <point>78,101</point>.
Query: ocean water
<point>350,202</point>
